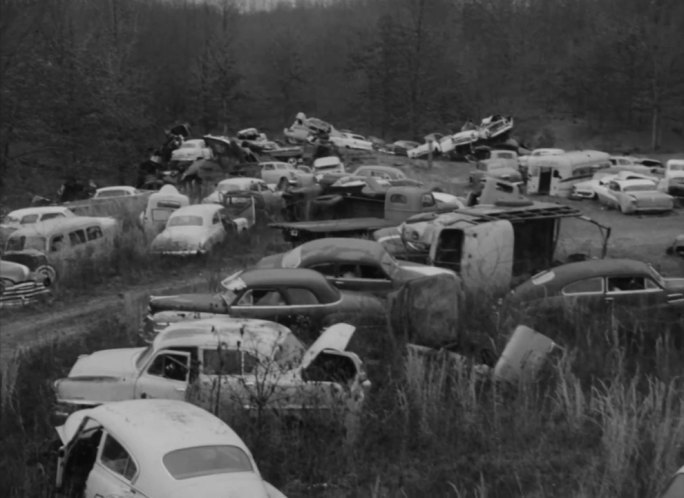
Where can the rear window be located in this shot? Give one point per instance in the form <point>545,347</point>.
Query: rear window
<point>185,220</point>
<point>29,218</point>
<point>206,460</point>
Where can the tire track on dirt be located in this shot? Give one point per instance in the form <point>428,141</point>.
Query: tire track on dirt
<point>23,333</point>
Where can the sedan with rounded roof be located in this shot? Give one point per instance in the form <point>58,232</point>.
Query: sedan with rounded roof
<point>353,264</point>
<point>293,297</point>
<point>25,217</point>
<point>602,285</point>
<point>155,447</point>
<point>193,230</point>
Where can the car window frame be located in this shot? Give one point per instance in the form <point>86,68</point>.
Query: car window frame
<point>645,290</point>
<point>590,293</point>
<point>106,434</point>
<point>241,295</point>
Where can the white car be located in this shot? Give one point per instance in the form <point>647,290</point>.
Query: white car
<point>21,218</point>
<point>351,141</point>
<point>380,171</point>
<point>263,365</point>
<point>191,150</point>
<point>236,184</point>
<point>424,149</point>
<point>629,163</point>
<point>118,191</point>
<point>600,181</point>
<point>282,174</point>
<point>159,207</point>
<point>150,448</point>
<point>192,230</point>
<point>328,165</point>
<point>632,196</point>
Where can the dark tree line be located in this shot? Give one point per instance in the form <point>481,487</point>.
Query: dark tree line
<point>91,83</point>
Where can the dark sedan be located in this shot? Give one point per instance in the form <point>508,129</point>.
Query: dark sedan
<point>631,289</point>
<point>353,264</point>
<point>301,299</point>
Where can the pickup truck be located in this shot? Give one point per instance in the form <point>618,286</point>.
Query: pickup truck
<point>491,246</point>
<point>399,203</point>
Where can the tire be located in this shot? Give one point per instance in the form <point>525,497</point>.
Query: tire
<point>49,274</point>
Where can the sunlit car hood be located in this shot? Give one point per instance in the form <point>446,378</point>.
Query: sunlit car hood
<point>109,362</point>
<point>674,284</point>
<point>234,485</point>
<point>209,303</point>
<point>411,269</point>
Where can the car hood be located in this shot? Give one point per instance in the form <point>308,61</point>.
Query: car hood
<point>179,238</point>
<point>674,284</point>
<point>208,303</point>
<point>233,485</point>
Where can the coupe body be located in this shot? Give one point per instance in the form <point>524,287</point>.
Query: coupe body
<point>635,196</point>
<point>193,230</point>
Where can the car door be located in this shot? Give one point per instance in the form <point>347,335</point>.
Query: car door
<point>114,472</point>
<point>630,295</point>
<point>365,277</point>
<point>233,375</point>
<point>166,375</point>
<point>76,458</point>
<point>266,303</point>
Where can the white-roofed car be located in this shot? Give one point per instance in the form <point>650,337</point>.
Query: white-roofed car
<point>116,191</point>
<point>236,184</point>
<point>159,207</point>
<point>261,364</point>
<point>351,141</point>
<point>193,230</point>
<point>635,196</point>
<point>282,174</point>
<point>524,159</point>
<point>150,448</point>
<point>24,217</point>
<point>191,150</point>
<point>328,165</point>
<point>589,189</point>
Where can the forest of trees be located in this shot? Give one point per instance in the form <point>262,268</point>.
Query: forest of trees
<point>93,82</point>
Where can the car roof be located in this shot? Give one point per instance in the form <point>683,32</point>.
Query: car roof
<point>198,210</point>
<point>380,167</point>
<point>291,277</point>
<point>572,272</point>
<point>239,180</point>
<point>333,249</point>
<point>128,188</point>
<point>48,227</point>
<point>256,335</point>
<point>150,428</point>
<point>39,210</point>
<point>326,161</point>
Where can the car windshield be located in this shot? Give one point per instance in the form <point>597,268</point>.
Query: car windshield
<point>19,243</point>
<point>206,460</point>
<point>639,188</point>
<point>185,221</point>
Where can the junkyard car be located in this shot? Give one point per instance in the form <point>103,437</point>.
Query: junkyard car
<point>600,181</point>
<point>353,264</point>
<point>352,141</point>
<point>254,140</point>
<point>282,174</point>
<point>328,165</point>
<point>288,296</point>
<point>191,150</point>
<point>386,172</point>
<point>635,196</point>
<point>258,364</point>
<point>159,207</point>
<point>629,163</point>
<point>304,127</point>
<point>29,216</point>
<point>19,286</point>
<point>236,184</point>
<point>501,164</point>
<point>193,230</point>
<point>229,193</point>
<point>155,447</point>
<point>118,191</point>
<point>496,125</point>
<point>423,149</point>
<point>523,159</point>
<point>673,181</point>
<point>401,147</point>
<point>595,285</point>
